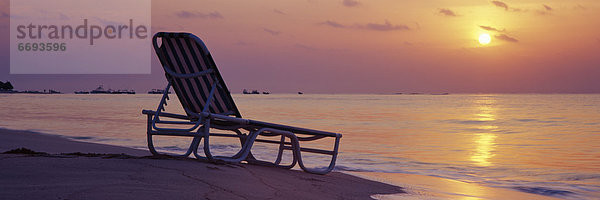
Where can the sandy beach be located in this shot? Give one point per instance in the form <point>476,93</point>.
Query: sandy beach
<point>59,168</point>
<point>107,174</point>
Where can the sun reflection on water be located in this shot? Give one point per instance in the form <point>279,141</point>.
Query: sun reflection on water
<point>485,142</point>
<point>484,150</point>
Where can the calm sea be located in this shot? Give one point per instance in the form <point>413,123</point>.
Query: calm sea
<point>544,144</point>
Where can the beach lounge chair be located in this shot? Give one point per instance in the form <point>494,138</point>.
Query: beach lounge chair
<point>208,105</point>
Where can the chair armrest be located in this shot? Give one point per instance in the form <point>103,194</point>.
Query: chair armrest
<point>164,114</point>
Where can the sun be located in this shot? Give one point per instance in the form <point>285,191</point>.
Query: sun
<point>485,38</point>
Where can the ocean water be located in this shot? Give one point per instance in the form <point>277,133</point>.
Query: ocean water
<point>547,144</point>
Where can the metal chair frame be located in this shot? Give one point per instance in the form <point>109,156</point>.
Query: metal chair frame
<point>199,126</point>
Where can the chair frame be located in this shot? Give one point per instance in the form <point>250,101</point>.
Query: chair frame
<point>199,125</point>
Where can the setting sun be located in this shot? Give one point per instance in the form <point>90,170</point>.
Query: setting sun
<point>485,38</point>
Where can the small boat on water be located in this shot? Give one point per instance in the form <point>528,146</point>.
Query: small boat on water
<point>253,92</point>
<point>39,92</point>
<point>126,91</point>
<point>266,93</point>
<point>99,90</point>
<point>7,88</point>
<point>300,93</point>
<point>120,91</point>
<point>157,91</point>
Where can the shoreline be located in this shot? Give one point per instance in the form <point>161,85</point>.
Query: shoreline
<point>138,176</point>
<point>81,177</point>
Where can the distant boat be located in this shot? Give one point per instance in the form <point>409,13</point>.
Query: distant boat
<point>82,92</point>
<point>38,92</point>
<point>121,91</point>
<point>6,86</point>
<point>31,92</point>
<point>445,93</point>
<point>157,91</point>
<point>266,93</point>
<point>52,92</point>
<point>100,90</point>
<point>253,92</point>
<point>300,93</point>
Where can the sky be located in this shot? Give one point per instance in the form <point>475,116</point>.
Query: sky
<point>370,46</point>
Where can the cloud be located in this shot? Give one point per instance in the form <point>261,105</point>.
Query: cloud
<point>350,3</point>
<point>489,28</point>
<point>500,4</point>
<point>506,38</point>
<point>332,24</point>
<point>387,26</point>
<point>189,14</point>
<point>278,12</point>
<point>272,32</point>
<point>547,10</point>
<point>447,12</point>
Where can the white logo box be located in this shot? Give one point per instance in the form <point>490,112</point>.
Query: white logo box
<point>80,36</point>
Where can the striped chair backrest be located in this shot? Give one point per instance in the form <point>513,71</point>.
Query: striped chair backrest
<point>184,53</point>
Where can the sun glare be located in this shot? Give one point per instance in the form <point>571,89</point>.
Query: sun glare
<point>485,38</point>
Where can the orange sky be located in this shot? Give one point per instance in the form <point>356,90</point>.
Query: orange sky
<point>380,46</point>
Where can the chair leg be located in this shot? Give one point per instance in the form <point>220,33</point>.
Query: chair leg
<point>206,129</point>
<point>249,141</point>
<point>331,164</point>
<point>194,145</point>
<point>244,151</point>
<point>278,159</point>
<point>242,138</point>
<point>280,151</point>
<point>149,132</point>
<point>283,134</point>
<point>208,154</point>
<point>242,142</point>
